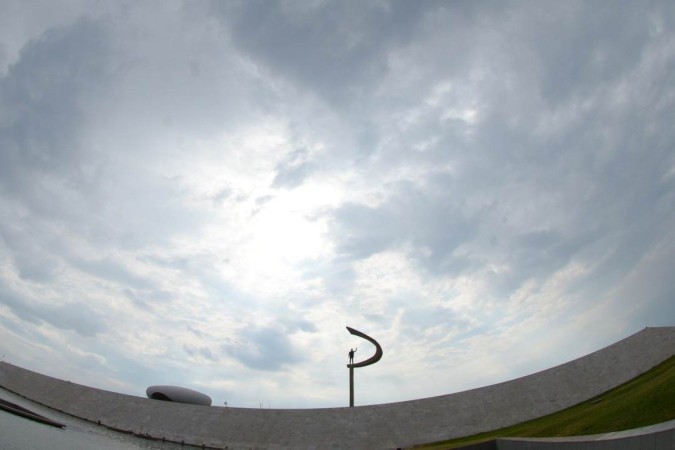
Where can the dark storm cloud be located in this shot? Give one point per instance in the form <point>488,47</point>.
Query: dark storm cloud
<point>41,155</point>
<point>39,255</point>
<point>108,269</point>
<point>431,222</point>
<point>591,46</point>
<point>269,348</point>
<point>28,251</point>
<point>594,184</point>
<point>536,256</point>
<point>49,97</point>
<point>653,288</point>
<point>330,46</point>
<point>80,319</point>
<point>264,348</point>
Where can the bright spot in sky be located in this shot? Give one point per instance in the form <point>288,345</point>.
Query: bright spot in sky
<point>207,193</point>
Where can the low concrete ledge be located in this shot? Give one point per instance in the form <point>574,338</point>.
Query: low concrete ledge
<point>390,425</point>
<point>655,437</point>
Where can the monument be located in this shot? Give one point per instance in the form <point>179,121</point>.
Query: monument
<point>352,365</point>
<point>387,425</point>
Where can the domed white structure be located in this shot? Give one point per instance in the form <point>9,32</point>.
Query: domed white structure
<point>178,394</point>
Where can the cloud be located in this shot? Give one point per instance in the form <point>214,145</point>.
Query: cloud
<point>293,169</point>
<point>41,94</point>
<point>596,48</point>
<point>264,348</point>
<point>78,318</point>
<point>219,187</point>
<point>203,352</point>
<point>431,224</point>
<point>332,48</point>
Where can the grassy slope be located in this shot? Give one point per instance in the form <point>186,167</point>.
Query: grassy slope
<point>645,400</point>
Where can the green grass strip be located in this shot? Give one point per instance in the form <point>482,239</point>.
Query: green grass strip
<point>645,400</point>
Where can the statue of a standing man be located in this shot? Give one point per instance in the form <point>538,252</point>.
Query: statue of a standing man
<point>351,355</point>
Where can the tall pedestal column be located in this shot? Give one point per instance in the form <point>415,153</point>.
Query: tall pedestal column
<point>351,386</point>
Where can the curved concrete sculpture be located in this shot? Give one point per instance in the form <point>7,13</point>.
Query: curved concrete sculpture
<point>178,394</point>
<point>376,426</point>
<point>373,359</point>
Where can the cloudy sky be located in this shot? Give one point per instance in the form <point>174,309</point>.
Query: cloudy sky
<point>206,193</point>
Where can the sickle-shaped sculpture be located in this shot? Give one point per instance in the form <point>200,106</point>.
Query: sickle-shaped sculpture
<point>373,359</point>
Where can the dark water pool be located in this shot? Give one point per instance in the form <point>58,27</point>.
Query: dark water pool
<point>18,433</point>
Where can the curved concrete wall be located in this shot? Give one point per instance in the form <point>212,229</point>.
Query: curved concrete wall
<point>378,426</point>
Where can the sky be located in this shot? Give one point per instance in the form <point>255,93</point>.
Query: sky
<point>205,193</point>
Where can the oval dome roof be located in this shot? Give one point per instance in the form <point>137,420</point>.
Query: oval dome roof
<point>178,394</point>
